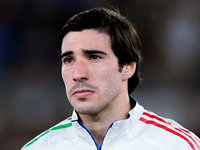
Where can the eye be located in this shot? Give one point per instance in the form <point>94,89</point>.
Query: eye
<point>95,57</point>
<point>67,60</point>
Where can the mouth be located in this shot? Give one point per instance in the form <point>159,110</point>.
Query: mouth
<point>82,93</point>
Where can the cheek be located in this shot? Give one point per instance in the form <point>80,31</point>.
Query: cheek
<point>65,77</point>
<point>110,78</point>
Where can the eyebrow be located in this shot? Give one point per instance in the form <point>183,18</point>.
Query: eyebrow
<point>93,51</point>
<point>85,51</point>
<point>66,54</point>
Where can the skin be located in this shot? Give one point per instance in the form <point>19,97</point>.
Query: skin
<point>94,85</point>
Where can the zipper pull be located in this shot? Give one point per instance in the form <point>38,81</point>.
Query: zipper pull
<point>99,148</point>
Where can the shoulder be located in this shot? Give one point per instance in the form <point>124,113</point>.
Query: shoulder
<point>169,130</point>
<point>49,133</point>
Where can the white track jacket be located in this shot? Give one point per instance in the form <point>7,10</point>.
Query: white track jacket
<point>143,130</point>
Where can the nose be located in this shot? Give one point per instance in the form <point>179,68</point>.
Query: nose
<point>80,72</point>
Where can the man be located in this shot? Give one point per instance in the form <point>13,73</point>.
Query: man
<point>100,54</point>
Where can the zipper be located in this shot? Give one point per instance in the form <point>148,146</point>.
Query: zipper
<point>98,147</point>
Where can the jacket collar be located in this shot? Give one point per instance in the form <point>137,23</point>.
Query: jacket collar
<point>117,129</point>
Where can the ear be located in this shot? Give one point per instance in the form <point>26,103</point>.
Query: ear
<point>128,70</point>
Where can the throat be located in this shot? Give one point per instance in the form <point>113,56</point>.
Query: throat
<point>97,130</point>
<point>99,124</point>
<point>98,136</point>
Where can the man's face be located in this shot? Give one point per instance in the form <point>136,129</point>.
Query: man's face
<point>90,71</point>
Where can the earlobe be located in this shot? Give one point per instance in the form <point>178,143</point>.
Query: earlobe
<point>129,70</point>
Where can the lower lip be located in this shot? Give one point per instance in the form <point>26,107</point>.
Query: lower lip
<point>83,94</point>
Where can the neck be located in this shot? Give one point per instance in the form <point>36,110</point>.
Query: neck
<point>98,124</point>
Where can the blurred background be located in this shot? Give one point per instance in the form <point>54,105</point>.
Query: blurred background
<point>32,94</point>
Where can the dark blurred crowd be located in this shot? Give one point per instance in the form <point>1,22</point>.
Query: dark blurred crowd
<point>32,94</point>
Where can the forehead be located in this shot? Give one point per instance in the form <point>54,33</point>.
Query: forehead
<point>86,39</point>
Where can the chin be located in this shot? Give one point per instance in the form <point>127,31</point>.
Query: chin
<point>87,111</point>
